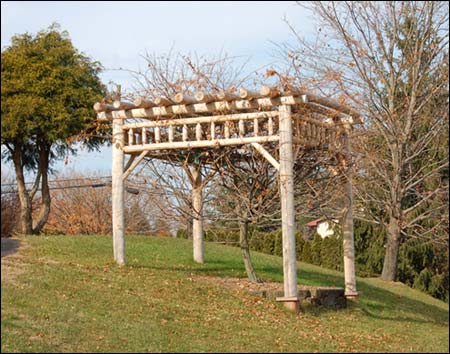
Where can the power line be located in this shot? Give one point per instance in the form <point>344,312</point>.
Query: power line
<point>95,185</point>
<point>63,180</point>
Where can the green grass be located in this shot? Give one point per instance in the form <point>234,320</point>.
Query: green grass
<point>65,294</point>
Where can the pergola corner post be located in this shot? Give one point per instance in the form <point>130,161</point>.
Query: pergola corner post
<point>197,209</point>
<point>347,227</point>
<point>290,298</point>
<point>118,220</point>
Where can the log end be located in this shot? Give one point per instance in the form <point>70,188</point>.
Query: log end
<point>178,98</point>
<point>200,96</point>
<point>138,101</point>
<point>97,106</point>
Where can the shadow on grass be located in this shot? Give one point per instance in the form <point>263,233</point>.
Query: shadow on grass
<point>374,302</point>
<point>9,246</point>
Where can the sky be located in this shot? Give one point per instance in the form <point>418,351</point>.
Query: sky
<point>118,33</point>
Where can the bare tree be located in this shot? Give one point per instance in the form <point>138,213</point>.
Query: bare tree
<point>246,193</point>
<point>390,60</point>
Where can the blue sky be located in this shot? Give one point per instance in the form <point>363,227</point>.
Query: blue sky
<point>118,33</point>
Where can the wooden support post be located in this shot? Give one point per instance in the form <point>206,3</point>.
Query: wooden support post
<point>347,226</point>
<point>197,206</point>
<point>287,208</point>
<point>118,192</point>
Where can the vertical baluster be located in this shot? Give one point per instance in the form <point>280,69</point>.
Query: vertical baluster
<point>144,135</point>
<point>227,130</point>
<point>198,132</point>
<point>213,130</point>
<point>137,138</point>
<point>130,137</point>
<point>270,126</point>
<point>157,134</point>
<point>302,130</point>
<point>333,138</point>
<point>241,128</point>
<point>170,133</point>
<point>255,127</point>
<point>185,132</point>
<point>308,130</point>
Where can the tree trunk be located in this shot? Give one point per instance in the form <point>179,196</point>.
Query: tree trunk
<point>44,152</point>
<point>243,240</point>
<point>392,249</point>
<point>26,220</point>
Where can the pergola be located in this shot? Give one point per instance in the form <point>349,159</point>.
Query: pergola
<point>267,120</point>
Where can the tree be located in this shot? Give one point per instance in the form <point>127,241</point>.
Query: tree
<point>389,59</point>
<point>247,193</point>
<point>48,89</point>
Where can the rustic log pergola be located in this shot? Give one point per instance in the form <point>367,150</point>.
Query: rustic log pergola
<point>266,120</point>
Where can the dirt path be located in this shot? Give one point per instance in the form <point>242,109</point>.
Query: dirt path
<point>9,246</point>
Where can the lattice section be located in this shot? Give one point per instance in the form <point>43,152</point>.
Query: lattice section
<point>227,130</point>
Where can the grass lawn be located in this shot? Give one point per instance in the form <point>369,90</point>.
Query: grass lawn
<point>65,294</point>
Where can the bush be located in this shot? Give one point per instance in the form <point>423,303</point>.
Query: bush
<point>369,248</point>
<point>278,243</point>
<point>306,252</point>
<point>316,250</point>
<point>182,233</point>
<point>263,242</point>
<point>299,244</point>
<point>332,253</point>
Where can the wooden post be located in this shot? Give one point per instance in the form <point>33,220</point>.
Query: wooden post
<point>118,192</point>
<point>197,206</point>
<point>347,226</point>
<point>288,209</point>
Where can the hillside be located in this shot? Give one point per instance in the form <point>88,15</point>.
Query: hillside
<point>64,294</point>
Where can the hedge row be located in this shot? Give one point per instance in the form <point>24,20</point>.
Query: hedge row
<point>326,252</point>
<point>421,265</point>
